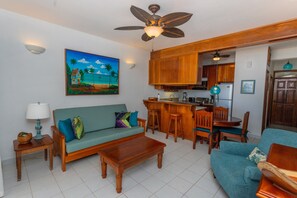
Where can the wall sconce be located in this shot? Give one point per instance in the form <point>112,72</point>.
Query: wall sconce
<point>34,49</point>
<point>132,66</point>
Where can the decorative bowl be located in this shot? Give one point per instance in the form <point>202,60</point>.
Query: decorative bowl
<point>24,138</point>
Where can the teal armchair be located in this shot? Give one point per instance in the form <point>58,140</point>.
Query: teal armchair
<point>238,176</point>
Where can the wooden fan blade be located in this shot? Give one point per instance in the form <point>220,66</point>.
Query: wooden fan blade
<point>225,55</point>
<point>145,37</point>
<point>129,28</point>
<point>140,14</point>
<point>173,32</point>
<point>175,19</point>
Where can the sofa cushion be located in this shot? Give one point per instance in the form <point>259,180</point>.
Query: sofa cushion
<point>229,170</point>
<point>78,127</point>
<point>278,136</point>
<point>252,172</point>
<point>65,126</point>
<point>102,136</point>
<point>95,117</point>
<point>122,120</point>
<point>133,119</point>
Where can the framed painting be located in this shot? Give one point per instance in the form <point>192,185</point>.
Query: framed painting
<point>91,74</point>
<point>247,87</point>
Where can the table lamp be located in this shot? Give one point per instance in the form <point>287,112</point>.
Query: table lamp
<point>38,111</point>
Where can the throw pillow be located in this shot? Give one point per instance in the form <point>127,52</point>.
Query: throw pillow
<point>78,127</point>
<point>122,120</point>
<point>257,155</point>
<point>133,119</point>
<point>65,126</point>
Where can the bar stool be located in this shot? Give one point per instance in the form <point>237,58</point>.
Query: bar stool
<point>175,119</point>
<point>153,120</point>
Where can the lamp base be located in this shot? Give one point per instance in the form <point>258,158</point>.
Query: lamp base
<point>38,137</point>
<point>38,128</point>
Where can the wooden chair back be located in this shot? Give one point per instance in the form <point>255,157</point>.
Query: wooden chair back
<point>220,113</point>
<point>245,123</point>
<point>204,119</point>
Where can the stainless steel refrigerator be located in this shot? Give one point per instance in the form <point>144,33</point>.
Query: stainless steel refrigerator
<point>225,98</point>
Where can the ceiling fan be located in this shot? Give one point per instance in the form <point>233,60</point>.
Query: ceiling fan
<point>217,56</point>
<point>156,25</point>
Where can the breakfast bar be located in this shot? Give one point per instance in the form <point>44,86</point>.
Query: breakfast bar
<point>186,109</point>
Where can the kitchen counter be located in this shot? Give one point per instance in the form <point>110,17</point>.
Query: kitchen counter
<point>186,109</point>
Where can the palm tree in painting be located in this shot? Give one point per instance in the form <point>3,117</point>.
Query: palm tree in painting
<point>113,74</point>
<point>92,70</point>
<point>73,61</point>
<point>108,68</point>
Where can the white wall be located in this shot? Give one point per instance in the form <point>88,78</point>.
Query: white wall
<point>250,64</point>
<point>284,53</point>
<point>27,78</point>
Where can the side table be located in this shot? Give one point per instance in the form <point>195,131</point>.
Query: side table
<point>46,143</point>
<point>283,157</point>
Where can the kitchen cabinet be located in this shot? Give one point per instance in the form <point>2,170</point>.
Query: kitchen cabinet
<point>218,74</point>
<point>226,73</point>
<point>175,70</point>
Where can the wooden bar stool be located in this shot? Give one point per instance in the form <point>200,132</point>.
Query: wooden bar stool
<point>175,119</point>
<point>153,121</point>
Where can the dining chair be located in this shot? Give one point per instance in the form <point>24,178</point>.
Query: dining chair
<point>220,113</point>
<point>204,129</point>
<point>236,133</point>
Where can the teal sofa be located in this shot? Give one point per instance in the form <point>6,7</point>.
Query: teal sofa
<point>100,131</point>
<point>238,176</point>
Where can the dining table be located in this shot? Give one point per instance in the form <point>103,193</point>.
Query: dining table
<point>230,122</point>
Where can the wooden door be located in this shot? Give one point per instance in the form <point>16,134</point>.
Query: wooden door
<point>284,103</point>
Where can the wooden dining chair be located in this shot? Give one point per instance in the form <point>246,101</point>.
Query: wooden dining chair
<point>236,133</point>
<point>204,129</point>
<point>220,113</point>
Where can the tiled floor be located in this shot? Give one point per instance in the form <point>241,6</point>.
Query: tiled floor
<point>185,173</point>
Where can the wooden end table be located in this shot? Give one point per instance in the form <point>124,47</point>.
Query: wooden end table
<point>46,143</point>
<point>283,157</point>
<point>128,153</point>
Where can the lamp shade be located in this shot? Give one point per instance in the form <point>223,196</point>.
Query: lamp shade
<point>153,31</point>
<point>215,90</point>
<point>38,111</point>
<point>288,66</point>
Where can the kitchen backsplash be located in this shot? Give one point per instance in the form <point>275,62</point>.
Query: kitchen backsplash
<point>190,93</point>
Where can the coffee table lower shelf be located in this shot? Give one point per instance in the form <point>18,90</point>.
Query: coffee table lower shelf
<point>127,154</point>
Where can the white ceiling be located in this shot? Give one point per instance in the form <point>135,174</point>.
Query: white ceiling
<point>210,17</point>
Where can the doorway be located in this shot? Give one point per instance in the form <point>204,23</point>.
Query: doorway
<point>284,100</point>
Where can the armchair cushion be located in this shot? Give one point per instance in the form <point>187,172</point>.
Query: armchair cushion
<point>237,148</point>
<point>252,173</point>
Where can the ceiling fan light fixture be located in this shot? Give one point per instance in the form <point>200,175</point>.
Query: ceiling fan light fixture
<point>153,31</point>
<point>216,58</point>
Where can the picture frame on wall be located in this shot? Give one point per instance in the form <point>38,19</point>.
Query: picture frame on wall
<point>90,74</point>
<point>247,87</point>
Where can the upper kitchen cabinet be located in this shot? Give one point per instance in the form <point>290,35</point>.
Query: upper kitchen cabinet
<point>219,74</point>
<point>174,70</point>
<point>226,73</point>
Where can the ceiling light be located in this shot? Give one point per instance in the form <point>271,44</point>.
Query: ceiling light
<point>153,31</point>
<point>216,58</point>
<point>35,49</point>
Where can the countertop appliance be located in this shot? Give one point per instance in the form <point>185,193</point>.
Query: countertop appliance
<point>185,95</point>
<point>225,96</point>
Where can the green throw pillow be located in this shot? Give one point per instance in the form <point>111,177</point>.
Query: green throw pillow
<point>122,120</point>
<point>257,155</point>
<point>78,127</point>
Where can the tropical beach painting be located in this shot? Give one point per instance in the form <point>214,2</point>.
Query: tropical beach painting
<point>90,74</point>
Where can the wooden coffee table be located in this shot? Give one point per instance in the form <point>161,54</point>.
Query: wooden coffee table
<point>129,153</point>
